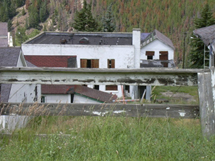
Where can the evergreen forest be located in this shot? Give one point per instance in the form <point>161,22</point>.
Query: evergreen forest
<point>174,19</point>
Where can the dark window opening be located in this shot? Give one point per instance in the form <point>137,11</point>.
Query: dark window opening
<point>149,57</point>
<point>127,88</point>
<point>111,63</point>
<point>72,98</point>
<point>43,99</point>
<point>88,63</point>
<point>96,87</point>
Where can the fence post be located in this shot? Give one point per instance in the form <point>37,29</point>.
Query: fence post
<point>206,103</point>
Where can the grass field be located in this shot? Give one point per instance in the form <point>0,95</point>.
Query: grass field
<point>191,90</point>
<point>108,138</point>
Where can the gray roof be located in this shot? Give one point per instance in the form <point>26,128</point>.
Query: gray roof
<point>158,35</point>
<point>8,58</point>
<point>3,34</point>
<point>143,36</point>
<point>89,38</point>
<point>207,34</point>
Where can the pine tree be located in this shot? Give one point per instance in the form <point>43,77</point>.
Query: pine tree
<point>108,20</point>
<point>43,11</point>
<point>197,46</point>
<point>84,20</point>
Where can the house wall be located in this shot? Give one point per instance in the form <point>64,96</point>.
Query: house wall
<point>57,98</point>
<point>28,93</point>
<point>66,98</point>
<point>123,54</point>
<point>81,99</point>
<point>156,46</point>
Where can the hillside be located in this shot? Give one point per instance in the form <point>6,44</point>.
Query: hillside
<point>173,18</point>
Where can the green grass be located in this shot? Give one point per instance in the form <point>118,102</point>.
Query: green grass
<point>191,90</point>
<point>108,138</point>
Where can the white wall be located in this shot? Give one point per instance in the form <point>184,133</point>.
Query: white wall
<point>58,98</point>
<point>123,54</point>
<point>156,46</point>
<point>66,98</point>
<point>81,99</point>
<point>25,93</point>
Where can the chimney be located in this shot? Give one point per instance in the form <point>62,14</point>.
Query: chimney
<point>136,40</point>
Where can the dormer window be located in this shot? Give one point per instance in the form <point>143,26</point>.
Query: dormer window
<point>84,40</point>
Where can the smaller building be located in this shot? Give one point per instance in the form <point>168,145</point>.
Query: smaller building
<point>5,38</point>
<point>74,94</point>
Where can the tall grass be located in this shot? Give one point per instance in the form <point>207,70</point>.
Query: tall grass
<point>108,138</point>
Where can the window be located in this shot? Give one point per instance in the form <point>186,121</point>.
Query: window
<point>149,57</point>
<point>89,63</point>
<point>111,88</point>
<point>43,99</point>
<point>111,63</point>
<point>127,88</point>
<point>164,57</point>
<point>96,87</point>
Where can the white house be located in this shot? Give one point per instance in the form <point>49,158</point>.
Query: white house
<point>21,93</point>
<point>104,50</point>
<point>74,94</point>
<point>67,93</point>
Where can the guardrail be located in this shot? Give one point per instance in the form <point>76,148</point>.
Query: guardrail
<point>205,79</point>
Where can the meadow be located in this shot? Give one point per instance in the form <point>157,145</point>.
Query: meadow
<point>108,138</point>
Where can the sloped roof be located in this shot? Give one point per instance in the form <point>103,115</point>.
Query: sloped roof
<point>55,89</point>
<point>95,94</point>
<point>8,58</point>
<point>143,36</point>
<point>3,34</point>
<point>207,34</point>
<point>82,90</point>
<point>52,61</point>
<point>159,36</point>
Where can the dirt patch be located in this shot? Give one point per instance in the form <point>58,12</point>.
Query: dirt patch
<point>180,96</point>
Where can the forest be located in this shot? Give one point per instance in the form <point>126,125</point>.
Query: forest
<point>172,18</point>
